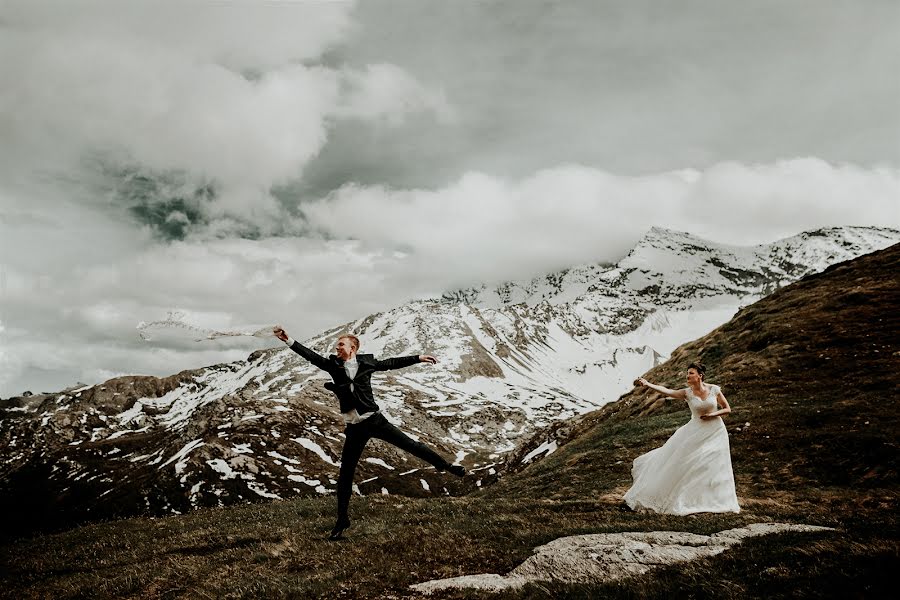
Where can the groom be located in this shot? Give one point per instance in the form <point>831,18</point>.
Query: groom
<point>351,375</point>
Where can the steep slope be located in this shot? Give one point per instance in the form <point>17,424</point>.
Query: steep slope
<point>812,373</point>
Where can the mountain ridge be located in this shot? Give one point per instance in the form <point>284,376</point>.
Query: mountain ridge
<point>265,428</point>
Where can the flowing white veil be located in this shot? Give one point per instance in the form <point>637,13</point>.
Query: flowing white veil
<point>176,320</point>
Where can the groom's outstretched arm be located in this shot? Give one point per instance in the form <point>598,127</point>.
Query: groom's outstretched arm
<point>388,364</point>
<point>307,353</point>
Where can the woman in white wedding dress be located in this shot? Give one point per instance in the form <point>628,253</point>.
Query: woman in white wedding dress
<point>691,472</point>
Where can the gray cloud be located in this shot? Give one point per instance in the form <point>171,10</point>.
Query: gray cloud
<point>152,104</point>
<point>634,88</point>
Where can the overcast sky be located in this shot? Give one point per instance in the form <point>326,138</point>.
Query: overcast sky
<point>309,163</point>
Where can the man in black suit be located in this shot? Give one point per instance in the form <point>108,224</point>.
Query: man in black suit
<point>351,375</point>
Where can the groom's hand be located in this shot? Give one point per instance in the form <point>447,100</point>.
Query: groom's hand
<point>425,358</point>
<point>280,333</point>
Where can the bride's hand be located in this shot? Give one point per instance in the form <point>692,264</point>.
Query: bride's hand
<point>640,381</point>
<point>707,417</point>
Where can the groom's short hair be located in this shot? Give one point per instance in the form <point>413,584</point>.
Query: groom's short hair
<point>352,338</point>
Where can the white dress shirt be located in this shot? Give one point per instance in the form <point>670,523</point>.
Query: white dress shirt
<point>351,367</point>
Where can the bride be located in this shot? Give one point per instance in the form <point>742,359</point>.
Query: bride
<point>691,472</point>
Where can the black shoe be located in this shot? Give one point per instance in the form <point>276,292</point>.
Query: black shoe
<point>339,528</point>
<point>457,470</point>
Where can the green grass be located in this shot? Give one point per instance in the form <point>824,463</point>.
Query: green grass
<point>278,550</point>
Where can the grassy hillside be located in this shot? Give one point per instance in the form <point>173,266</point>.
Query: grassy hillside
<point>813,369</point>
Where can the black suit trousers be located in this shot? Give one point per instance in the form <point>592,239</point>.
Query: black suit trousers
<point>358,435</point>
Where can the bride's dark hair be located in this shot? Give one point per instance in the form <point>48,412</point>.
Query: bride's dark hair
<point>701,369</point>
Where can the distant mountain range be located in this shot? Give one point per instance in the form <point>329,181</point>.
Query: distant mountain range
<point>514,359</point>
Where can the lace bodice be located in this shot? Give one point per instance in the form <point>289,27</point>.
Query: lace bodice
<point>700,406</point>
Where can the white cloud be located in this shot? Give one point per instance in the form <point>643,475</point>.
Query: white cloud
<point>384,91</point>
<point>746,201</point>
<point>485,228</point>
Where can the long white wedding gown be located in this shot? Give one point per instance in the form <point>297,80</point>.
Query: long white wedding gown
<point>691,472</point>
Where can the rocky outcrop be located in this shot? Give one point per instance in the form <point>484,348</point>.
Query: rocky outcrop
<point>609,556</point>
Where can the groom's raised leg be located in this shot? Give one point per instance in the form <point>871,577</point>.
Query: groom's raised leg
<point>384,430</point>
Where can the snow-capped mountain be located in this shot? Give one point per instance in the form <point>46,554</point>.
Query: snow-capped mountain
<point>513,359</point>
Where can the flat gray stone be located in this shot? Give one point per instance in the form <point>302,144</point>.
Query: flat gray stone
<point>486,582</point>
<point>610,556</point>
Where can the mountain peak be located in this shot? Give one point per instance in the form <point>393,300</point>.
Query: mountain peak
<point>657,237</point>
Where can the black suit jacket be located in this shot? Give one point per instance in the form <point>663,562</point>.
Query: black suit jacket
<point>360,396</point>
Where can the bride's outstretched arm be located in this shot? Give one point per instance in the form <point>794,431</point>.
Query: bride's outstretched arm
<point>662,390</point>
